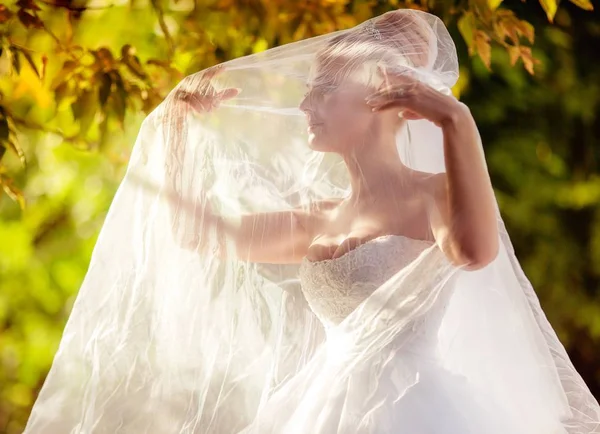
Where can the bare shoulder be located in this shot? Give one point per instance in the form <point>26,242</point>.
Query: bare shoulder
<point>312,216</point>
<point>433,184</point>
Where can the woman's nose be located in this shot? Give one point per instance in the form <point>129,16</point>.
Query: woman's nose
<point>305,104</point>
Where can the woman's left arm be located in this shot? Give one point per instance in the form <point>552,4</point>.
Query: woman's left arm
<point>463,217</point>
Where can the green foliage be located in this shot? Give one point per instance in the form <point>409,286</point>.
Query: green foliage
<point>76,80</point>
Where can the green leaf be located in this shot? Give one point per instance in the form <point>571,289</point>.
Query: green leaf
<point>104,89</point>
<point>12,191</point>
<point>8,142</point>
<point>63,75</point>
<point>84,110</point>
<point>16,63</point>
<point>104,59</point>
<point>29,59</point>
<point>6,63</point>
<point>132,62</point>
<point>120,98</point>
<point>4,131</point>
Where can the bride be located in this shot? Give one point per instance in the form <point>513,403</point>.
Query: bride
<point>246,282</point>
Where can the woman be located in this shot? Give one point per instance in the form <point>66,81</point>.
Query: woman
<point>364,284</point>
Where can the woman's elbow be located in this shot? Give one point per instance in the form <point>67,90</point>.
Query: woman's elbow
<point>480,254</point>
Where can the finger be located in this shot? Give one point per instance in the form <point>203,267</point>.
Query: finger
<point>410,115</point>
<point>388,94</point>
<point>386,106</point>
<point>221,96</point>
<point>384,74</point>
<point>201,104</point>
<point>208,75</point>
<point>229,93</point>
<point>213,71</point>
<point>393,75</point>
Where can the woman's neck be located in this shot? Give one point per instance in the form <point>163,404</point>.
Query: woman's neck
<point>374,170</point>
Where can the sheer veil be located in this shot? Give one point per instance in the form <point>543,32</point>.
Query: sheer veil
<point>173,332</point>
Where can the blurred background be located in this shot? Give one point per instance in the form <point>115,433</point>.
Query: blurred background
<point>78,77</point>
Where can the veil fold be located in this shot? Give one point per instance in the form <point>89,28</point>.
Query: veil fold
<point>172,332</point>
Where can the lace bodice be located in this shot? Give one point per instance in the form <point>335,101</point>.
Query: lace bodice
<point>333,288</point>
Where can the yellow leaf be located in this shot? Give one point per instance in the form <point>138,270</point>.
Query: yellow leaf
<point>300,31</point>
<point>261,44</point>
<point>466,26</point>
<point>527,30</point>
<point>493,4</point>
<point>28,84</point>
<point>528,59</point>
<point>462,83</point>
<point>514,53</point>
<point>550,7</point>
<point>583,4</point>
<point>12,191</point>
<point>483,47</point>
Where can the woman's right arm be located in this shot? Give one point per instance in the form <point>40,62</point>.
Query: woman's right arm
<point>281,237</point>
<point>273,237</point>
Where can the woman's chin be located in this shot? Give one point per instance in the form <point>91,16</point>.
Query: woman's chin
<point>315,145</point>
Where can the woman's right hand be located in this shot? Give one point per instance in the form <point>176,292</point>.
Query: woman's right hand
<point>206,98</point>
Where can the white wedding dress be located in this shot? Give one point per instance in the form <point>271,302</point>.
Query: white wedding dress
<point>404,388</point>
<point>164,340</point>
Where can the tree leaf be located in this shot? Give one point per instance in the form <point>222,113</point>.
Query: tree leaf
<point>6,63</point>
<point>16,62</point>
<point>120,98</point>
<point>104,89</point>
<point>29,59</point>
<point>527,30</point>
<point>550,7</point>
<point>483,47</point>
<point>13,192</point>
<point>28,4</point>
<point>84,110</point>
<point>166,66</point>
<point>63,75</point>
<point>493,4</point>
<point>583,4</point>
<point>44,65</point>
<point>29,20</point>
<point>259,45</point>
<point>4,131</point>
<point>528,59</point>
<point>514,52</point>
<point>104,59</point>
<point>467,27</point>
<point>132,62</point>
<point>13,146</point>
<point>63,91</point>
<point>5,14</point>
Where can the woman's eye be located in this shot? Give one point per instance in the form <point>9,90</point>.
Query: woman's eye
<point>319,92</point>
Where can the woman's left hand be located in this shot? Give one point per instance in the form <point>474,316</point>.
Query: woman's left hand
<point>414,99</point>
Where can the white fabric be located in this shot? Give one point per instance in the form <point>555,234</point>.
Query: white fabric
<point>172,332</point>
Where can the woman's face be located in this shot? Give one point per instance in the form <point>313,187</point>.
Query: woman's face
<point>336,110</point>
